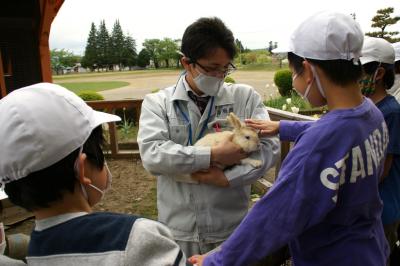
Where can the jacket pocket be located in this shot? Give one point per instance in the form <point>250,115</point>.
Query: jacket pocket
<point>179,134</point>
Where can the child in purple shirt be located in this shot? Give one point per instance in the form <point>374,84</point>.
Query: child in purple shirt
<point>325,202</point>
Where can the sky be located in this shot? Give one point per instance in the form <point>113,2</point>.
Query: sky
<point>253,22</point>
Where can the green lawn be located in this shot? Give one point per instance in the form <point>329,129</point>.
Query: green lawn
<point>93,86</point>
<point>61,78</point>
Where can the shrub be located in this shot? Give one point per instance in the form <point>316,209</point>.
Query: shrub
<point>283,80</point>
<point>229,79</point>
<point>90,96</point>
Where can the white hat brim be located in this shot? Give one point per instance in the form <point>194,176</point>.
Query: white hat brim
<point>101,118</point>
<point>282,49</point>
<point>365,60</point>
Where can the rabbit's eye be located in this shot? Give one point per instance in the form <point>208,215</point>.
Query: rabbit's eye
<point>247,137</point>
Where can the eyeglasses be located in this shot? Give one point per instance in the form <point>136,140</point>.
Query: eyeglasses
<point>217,71</point>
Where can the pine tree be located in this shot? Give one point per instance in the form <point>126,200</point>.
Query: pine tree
<point>90,58</point>
<point>382,20</point>
<point>129,52</point>
<point>117,44</point>
<point>103,44</point>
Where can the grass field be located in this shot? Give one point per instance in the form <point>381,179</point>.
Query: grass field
<point>93,86</point>
<point>60,78</point>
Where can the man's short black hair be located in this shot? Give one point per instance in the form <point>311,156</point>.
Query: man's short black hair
<point>39,189</point>
<point>341,72</point>
<point>388,78</point>
<point>204,36</point>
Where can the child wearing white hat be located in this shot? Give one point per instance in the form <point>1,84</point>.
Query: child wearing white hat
<point>378,63</point>
<point>53,165</point>
<point>325,203</point>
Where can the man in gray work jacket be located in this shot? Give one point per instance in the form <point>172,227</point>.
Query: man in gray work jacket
<point>201,215</point>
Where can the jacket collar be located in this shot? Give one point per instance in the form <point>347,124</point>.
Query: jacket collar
<point>180,91</point>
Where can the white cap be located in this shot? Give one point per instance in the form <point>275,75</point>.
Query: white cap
<point>326,36</point>
<point>377,50</point>
<point>396,47</point>
<point>40,125</point>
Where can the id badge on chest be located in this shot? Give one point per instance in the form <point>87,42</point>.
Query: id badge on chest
<point>220,123</point>
<point>222,111</point>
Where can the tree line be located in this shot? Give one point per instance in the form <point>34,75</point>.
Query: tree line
<point>110,50</point>
<point>105,51</point>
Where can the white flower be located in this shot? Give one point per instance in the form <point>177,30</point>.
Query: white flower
<point>273,84</point>
<point>267,86</point>
<point>295,109</point>
<point>271,96</point>
<point>284,107</point>
<point>289,101</point>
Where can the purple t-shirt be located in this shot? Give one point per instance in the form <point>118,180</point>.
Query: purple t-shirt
<point>325,201</point>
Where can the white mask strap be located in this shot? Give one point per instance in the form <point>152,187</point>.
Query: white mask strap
<point>305,96</point>
<point>376,73</point>
<point>319,86</point>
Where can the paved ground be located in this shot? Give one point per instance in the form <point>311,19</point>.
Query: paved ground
<point>143,83</point>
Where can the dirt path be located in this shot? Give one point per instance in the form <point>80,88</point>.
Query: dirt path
<point>143,83</point>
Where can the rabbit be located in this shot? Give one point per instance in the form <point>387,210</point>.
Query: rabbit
<point>246,137</point>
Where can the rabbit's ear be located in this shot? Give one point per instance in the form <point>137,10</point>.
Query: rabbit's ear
<point>234,120</point>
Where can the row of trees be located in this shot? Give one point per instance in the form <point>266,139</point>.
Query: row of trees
<point>61,59</point>
<point>105,50</point>
<point>163,53</point>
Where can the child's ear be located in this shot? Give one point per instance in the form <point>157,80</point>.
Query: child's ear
<point>185,62</point>
<point>82,169</point>
<point>307,72</point>
<point>380,73</point>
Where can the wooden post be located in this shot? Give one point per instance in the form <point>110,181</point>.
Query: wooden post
<point>113,138</point>
<point>49,9</point>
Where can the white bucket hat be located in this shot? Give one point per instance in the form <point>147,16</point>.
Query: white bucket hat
<point>326,36</point>
<point>377,50</point>
<point>40,125</point>
<point>396,47</point>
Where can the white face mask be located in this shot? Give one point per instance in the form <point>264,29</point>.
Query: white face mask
<point>208,84</point>
<point>305,95</point>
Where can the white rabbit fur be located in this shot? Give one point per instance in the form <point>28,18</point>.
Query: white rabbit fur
<point>246,137</point>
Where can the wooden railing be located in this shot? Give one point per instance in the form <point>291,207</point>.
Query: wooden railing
<point>129,149</point>
<point>111,107</point>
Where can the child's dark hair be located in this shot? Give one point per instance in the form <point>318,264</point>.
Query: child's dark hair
<point>397,67</point>
<point>41,188</point>
<point>204,36</point>
<point>388,78</point>
<point>341,72</point>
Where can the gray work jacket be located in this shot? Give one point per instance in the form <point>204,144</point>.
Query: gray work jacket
<point>198,212</point>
